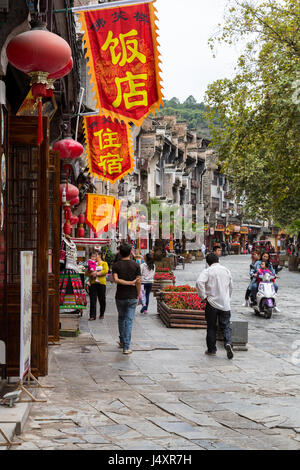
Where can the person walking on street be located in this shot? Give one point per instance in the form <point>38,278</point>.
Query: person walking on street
<point>217,250</point>
<point>147,272</point>
<point>97,286</point>
<point>127,276</point>
<point>215,285</point>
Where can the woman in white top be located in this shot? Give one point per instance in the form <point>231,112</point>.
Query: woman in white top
<point>147,272</point>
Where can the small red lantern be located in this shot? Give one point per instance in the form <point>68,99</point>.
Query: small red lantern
<point>67,228</point>
<point>38,53</point>
<point>80,232</point>
<point>80,229</point>
<point>74,201</point>
<point>73,220</point>
<point>81,218</point>
<point>68,149</point>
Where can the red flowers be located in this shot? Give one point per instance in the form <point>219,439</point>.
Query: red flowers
<point>183,288</point>
<point>183,298</point>
<point>164,276</point>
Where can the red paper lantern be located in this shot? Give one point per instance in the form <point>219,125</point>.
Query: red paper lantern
<point>73,220</point>
<point>38,53</point>
<point>67,228</point>
<point>74,201</point>
<point>68,148</point>
<point>38,50</point>
<point>80,232</point>
<point>81,218</point>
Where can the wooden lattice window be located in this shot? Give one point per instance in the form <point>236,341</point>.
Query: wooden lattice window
<point>22,208</point>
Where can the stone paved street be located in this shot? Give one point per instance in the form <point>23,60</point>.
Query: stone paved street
<point>168,394</point>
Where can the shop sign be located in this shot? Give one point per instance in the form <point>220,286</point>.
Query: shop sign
<point>237,228</point>
<point>109,148</point>
<point>230,228</point>
<point>212,231</point>
<point>244,230</point>
<point>220,228</point>
<point>123,59</point>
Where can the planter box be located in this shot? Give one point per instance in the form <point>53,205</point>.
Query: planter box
<point>175,318</point>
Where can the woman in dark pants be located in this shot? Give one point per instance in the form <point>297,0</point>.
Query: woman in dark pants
<point>97,288</point>
<point>147,272</point>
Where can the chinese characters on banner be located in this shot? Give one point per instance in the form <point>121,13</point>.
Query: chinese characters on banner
<point>121,45</point>
<point>109,148</point>
<point>102,212</point>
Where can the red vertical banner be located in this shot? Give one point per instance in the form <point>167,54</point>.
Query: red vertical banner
<point>123,60</point>
<point>109,148</point>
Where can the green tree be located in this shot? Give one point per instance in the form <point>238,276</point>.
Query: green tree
<point>190,102</point>
<point>258,136</point>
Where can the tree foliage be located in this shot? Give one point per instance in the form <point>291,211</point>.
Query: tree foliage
<point>190,111</point>
<point>258,139</point>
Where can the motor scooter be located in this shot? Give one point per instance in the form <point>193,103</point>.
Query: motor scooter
<point>266,295</point>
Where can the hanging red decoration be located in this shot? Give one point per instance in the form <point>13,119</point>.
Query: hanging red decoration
<point>73,220</point>
<point>67,228</point>
<point>68,149</point>
<point>38,53</point>
<point>74,201</point>
<point>80,229</point>
<point>81,218</point>
<point>80,232</point>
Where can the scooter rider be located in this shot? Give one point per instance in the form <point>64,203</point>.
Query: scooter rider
<point>254,287</point>
<point>256,257</point>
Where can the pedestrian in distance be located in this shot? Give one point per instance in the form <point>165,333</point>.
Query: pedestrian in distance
<point>215,285</point>
<point>147,272</point>
<point>217,250</point>
<point>228,246</point>
<point>97,272</point>
<point>127,276</point>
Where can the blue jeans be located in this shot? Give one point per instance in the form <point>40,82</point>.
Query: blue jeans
<point>126,310</point>
<point>147,289</point>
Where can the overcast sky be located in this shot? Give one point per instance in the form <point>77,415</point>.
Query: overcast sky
<point>188,65</point>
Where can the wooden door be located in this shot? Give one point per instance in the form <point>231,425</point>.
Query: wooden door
<point>54,247</point>
<point>27,229</point>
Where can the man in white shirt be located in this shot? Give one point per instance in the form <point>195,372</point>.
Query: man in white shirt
<point>215,285</point>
